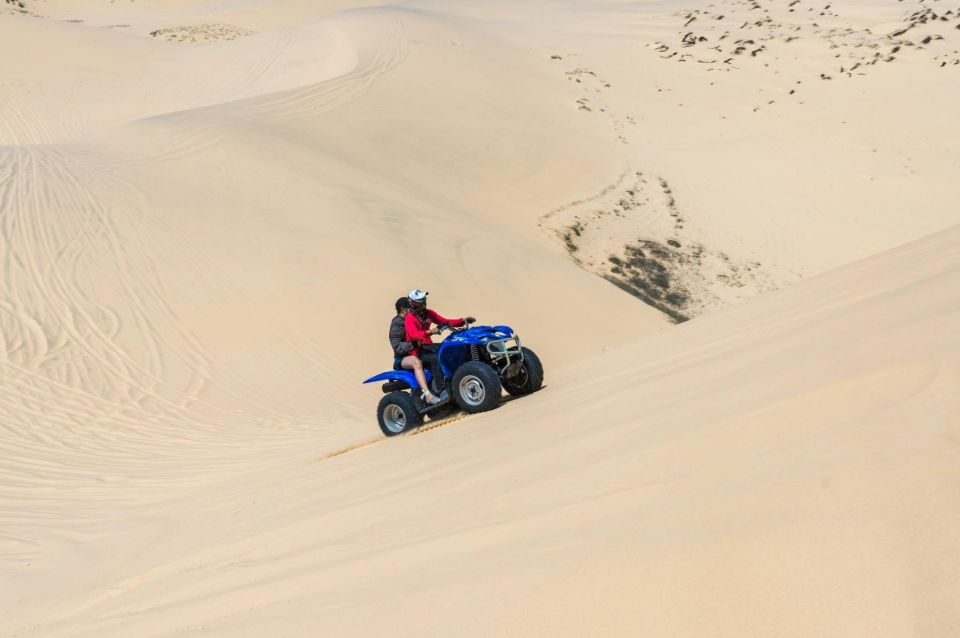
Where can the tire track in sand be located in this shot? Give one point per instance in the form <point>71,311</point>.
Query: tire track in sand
<point>79,284</point>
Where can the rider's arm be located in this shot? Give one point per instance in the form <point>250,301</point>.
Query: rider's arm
<point>456,323</point>
<point>414,331</point>
<point>400,346</point>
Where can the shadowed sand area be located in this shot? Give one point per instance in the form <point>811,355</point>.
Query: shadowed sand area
<point>208,208</point>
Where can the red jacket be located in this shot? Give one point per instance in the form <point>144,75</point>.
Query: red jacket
<point>417,328</point>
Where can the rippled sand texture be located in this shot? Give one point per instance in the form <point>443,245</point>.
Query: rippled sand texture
<point>208,208</point>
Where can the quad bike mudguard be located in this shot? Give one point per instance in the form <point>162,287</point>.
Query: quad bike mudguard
<point>402,376</point>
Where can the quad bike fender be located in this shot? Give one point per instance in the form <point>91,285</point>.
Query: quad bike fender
<point>403,376</point>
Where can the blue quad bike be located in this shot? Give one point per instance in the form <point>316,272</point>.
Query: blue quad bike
<point>476,364</point>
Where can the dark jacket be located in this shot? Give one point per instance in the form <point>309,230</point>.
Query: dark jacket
<point>398,338</point>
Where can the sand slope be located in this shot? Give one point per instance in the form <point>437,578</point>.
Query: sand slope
<point>182,257</point>
<point>207,210</point>
<point>809,487</point>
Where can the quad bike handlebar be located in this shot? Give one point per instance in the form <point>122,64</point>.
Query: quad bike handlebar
<point>441,327</point>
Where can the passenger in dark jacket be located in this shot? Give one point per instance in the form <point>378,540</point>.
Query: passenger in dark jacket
<point>404,351</point>
<point>398,333</point>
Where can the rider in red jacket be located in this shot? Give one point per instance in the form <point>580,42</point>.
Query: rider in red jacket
<point>419,323</point>
<point>420,328</point>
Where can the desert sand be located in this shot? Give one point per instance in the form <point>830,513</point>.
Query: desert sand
<point>729,230</point>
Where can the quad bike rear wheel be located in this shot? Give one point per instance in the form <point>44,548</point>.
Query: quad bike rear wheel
<point>476,387</point>
<point>397,413</point>
<point>528,379</point>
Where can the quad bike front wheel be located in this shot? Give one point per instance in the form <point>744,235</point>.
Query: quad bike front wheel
<point>397,413</point>
<point>528,379</point>
<point>476,387</point>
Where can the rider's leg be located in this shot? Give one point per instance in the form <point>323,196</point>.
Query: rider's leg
<point>429,357</point>
<point>413,363</point>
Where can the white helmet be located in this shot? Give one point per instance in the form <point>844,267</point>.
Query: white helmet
<point>418,296</point>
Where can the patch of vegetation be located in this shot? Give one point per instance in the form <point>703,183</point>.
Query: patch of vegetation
<point>646,271</point>
<point>676,316</point>
<point>16,6</point>
<point>574,229</point>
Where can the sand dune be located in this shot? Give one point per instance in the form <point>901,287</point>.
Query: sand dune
<point>207,209</point>
<point>774,468</point>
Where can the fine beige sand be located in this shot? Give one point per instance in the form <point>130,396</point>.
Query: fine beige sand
<point>207,210</point>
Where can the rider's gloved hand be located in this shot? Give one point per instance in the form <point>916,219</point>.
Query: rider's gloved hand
<point>469,320</point>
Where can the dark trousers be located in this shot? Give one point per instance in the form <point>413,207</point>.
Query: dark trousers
<point>431,361</point>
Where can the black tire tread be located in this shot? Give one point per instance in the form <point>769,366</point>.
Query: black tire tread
<point>406,403</point>
<point>534,380</point>
<point>491,382</point>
